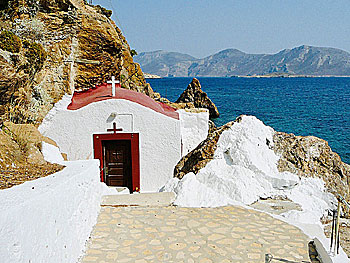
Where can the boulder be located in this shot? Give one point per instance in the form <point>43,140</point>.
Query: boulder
<point>303,156</point>
<point>312,157</point>
<point>34,156</point>
<point>29,139</point>
<point>195,96</point>
<point>203,153</point>
<point>26,143</point>
<point>10,153</point>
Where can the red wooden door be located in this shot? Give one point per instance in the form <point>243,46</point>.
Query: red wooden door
<point>117,161</point>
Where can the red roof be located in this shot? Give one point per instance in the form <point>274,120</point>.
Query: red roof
<point>104,92</point>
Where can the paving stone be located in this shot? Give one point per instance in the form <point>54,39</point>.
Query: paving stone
<point>180,255</point>
<point>95,251</point>
<point>214,237</point>
<point>174,234</point>
<point>90,259</point>
<point>178,246</point>
<point>193,248</point>
<point>112,255</point>
<point>226,241</point>
<point>196,255</point>
<point>180,234</point>
<point>205,260</point>
<point>155,242</point>
<point>204,230</point>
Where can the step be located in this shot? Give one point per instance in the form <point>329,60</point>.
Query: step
<point>143,199</point>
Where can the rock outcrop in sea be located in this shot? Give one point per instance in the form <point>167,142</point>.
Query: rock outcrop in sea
<point>195,97</point>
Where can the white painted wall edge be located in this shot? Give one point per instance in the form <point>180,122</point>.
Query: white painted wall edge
<point>323,249</point>
<point>50,219</point>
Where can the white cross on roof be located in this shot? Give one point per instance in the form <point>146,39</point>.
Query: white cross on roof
<point>113,82</point>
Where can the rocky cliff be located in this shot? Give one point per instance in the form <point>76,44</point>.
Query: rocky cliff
<point>48,48</point>
<point>312,157</point>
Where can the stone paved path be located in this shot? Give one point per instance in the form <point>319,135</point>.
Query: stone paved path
<point>174,234</point>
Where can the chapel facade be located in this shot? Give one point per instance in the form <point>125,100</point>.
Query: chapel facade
<point>137,140</point>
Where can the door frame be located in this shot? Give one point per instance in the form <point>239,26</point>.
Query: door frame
<point>135,154</point>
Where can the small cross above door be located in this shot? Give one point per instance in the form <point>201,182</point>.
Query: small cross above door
<point>114,130</point>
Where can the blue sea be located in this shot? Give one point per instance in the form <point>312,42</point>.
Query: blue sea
<point>303,106</point>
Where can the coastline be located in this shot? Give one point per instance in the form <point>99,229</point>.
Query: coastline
<point>291,76</point>
<point>149,76</point>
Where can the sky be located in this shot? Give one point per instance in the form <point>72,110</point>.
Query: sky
<point>203,27</point>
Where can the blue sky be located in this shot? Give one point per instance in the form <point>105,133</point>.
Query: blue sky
<point>204,27</point>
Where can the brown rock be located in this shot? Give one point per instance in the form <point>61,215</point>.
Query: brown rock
<point>34,156</point>
<point>55,5</point>
<point>212,126</point>
<point>28,139</point>
<point>312,157</point>
<point>65,156</point>
<point>25,135</point>
<point>194,94</point>
<point>10,153</point>
<point>49,141</point>
<point>182,105</point>
<point>203,153</point>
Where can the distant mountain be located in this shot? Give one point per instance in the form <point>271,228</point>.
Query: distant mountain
<point>165,64</point>
<point>303,60</point>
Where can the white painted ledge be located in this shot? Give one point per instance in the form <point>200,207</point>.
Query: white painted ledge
<point>322,246</point>
<point>143,199</point>
<point>50,219</point>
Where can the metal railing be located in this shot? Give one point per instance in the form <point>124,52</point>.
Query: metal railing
<point>335,237</point>
<point>342,199</point>
<point>335,233</point>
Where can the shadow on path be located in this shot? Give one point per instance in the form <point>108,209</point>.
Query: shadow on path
<point>312,254</point>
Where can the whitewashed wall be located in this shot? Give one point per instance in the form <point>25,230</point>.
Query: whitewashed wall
<point>194,128</point>
<point>160,138</point>
<point>51,218</point>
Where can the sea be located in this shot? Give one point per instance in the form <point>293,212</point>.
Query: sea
<point>303,106</point>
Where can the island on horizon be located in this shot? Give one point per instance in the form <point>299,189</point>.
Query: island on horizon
<point>302,61</point>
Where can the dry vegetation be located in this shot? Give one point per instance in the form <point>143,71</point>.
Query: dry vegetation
<point>14,176</point>
<point>21,158</point>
